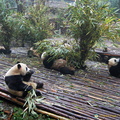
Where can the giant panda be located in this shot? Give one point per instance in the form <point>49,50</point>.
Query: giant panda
<point>56,64</point>
<point>114,67</point>
<point>32,52</point>
<point>17,81</point>
<point>4,51</point>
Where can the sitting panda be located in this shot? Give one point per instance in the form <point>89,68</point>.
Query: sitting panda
<point>17,81</point>
<point>114,67</point>
<point>56,64</point>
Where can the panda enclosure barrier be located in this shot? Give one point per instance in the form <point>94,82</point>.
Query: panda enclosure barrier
<point>85,96</point>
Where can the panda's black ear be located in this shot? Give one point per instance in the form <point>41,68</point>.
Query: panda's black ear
<point>18,62</point>
<point>19,66</point>
<point>107,61</point>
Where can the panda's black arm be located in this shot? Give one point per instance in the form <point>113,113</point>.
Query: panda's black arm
<point>27,77</point>
<point>114,71</point>
<point>24,87</point>
<point>15,83</point>
<point>20,86</point>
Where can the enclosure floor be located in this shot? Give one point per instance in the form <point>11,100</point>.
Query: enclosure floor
<point>88,95</point>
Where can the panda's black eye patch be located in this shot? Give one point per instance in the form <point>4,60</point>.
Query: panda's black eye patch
<point>26,68</point>
<point>115,60</point>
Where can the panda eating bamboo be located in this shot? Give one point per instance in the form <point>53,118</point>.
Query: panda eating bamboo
<point>18,82</point>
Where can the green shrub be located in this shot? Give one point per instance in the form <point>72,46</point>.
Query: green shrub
<point>32,26</point>
<point>57,49</point>
<point>18,116</point>
<point>6,26</point>
<point>90,22</point>
<point>39,19</point>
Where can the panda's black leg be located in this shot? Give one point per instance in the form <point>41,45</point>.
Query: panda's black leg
<point>39,85</point>
<point>13,96</point>
<point>24,94</point>
<point>38,93</point>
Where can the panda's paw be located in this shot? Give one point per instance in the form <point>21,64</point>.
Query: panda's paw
<point>29,88</point>
<point>39,85</point>
<point>38,93</point>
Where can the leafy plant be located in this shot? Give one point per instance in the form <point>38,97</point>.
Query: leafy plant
<point>24,30</point>
<point>18,116</point>
<point>39,19</point>
<point>59,49</point>
<point>118,28</point>
<point>28,113</point>
<point>2,115</point>
<point>31,26</point>
<point>30,103</point>
<point>90,22</point>
<point>115,4</point>
<point>6,28</point>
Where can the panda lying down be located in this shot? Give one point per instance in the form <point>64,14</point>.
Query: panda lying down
<point>56,64</point>
<point>17,80</point>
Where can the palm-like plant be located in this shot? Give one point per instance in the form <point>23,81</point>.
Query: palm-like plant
<point>90,22</point>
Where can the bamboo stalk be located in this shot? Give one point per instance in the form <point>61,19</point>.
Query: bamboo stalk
<point>86,109</point>
<point>73,110</point>
<point>93,95</point>
<point>7,97</point>
<point>51,114</point>
<point>109,109</point>
<point>57,110</point>
<point>48,108</point>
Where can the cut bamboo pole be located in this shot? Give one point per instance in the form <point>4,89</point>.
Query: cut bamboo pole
<point>7,97</point>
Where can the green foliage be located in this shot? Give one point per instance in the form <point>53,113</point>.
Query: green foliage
<point>118,29</point>
<point>29,113</point>
<point>115,3</point>
<point>18,116</point>
<point>6,28</point>
<point>90,22</point>
<point>10,3</point>
<point>23,30</point>
<point>1,101</point>
<point>30,102</point>
<point>59,49</point>
<point>38,17</point>
<point>2,115</point>
<point>33,26</point>
<point>54,48</point>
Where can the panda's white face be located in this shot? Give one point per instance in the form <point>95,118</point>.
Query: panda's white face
<point>43,56</point>
<point>23,69</point>
<point>113,62</point>
<point>18,69</point>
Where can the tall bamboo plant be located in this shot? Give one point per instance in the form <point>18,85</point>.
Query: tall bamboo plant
<point>90,22</point>
<point>39,18</point>
<point>6,28</point>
